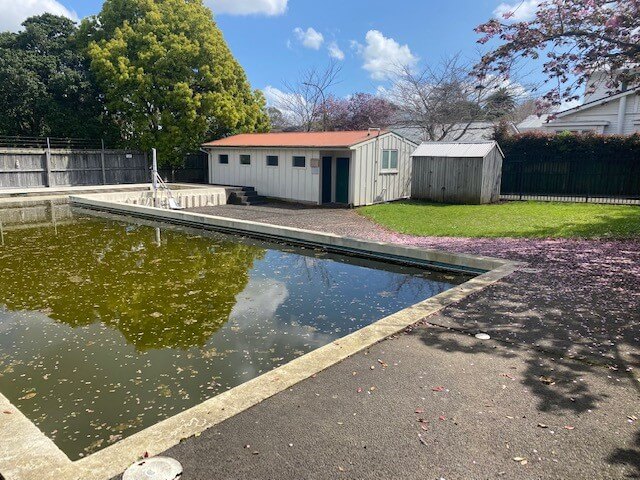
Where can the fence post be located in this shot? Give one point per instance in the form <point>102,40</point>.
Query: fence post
<point>47,163</point>
<point>104,173</point>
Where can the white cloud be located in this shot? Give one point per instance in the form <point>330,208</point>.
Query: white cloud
<point>248,7</point>
<point>567,104</point>
<point>516,89</point>
<point>356,47</point>
<point>273,95</point>
<point>260,299</point>
<point>335,51</point>
<point>310,38</point>
<point>14,12</point>
<point>284,101</point>
<point>522,11</point>
<point>383,56</point>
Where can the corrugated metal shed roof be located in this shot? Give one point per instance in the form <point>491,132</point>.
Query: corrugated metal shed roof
<point>455,149</point>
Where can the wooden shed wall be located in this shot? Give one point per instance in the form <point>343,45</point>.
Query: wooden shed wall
<point>492,177</point>
<point>447,179</point>
<point>284,181</point>
<point>369,184</point>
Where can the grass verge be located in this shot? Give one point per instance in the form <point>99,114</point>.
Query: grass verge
<point>508,219</point>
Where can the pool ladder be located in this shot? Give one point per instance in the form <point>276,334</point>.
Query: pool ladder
<point>171,201</point>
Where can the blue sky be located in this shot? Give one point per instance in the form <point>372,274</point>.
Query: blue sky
<point>272,40</point>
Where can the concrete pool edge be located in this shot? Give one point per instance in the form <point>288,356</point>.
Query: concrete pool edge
<point>430,257</point>
<point>18,442</point>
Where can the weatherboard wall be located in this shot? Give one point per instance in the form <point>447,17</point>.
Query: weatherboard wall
<point>602,118</point>
<point>369,183</point>
<point>299,184</point>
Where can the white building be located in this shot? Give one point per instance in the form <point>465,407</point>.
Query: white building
<point>617,114</point>
<point>352,168</point>
<point>601,111</point>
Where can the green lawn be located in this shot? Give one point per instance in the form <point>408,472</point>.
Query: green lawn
<point>508,219</point>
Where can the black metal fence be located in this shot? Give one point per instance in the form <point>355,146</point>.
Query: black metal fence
<point>582,179</point>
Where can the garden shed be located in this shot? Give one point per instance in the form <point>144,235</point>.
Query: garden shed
<point>345,168</point>
<point>454,172</point>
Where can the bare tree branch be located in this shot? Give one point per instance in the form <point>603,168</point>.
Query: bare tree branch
<point>304,99</point>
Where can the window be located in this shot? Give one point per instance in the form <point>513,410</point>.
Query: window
<point>300,162</point>
<point>245,159</point>
<point>272,160</point>
<point>223,159</point>
<point>390,160</point>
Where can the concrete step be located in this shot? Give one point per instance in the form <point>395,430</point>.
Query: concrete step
<point>245,196</point>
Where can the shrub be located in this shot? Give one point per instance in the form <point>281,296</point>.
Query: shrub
<point>570,164</point>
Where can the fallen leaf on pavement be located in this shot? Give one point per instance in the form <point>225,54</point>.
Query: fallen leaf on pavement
<point>547,380</point>
<point>438,389</point>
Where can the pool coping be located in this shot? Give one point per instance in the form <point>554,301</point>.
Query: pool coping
<point>20,438</point>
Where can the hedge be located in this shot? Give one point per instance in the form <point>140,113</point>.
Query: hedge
<point>570,164</point>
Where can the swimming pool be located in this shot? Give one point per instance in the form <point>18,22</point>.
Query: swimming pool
<point>112,325</point>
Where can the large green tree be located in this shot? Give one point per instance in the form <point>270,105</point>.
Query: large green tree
<point>46,87</point>
<point>169,76</point>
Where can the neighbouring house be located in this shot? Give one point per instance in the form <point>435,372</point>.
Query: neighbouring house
<point>601,111</point>
<point>533,123</point>
<point>351,168</point>
<point>617,114</point>
<point>457,172</point>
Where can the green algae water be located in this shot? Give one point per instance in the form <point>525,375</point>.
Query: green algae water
<point>108,326</point>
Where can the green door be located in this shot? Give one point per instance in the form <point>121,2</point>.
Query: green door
<point>342,180</point>
<point>326,179</point>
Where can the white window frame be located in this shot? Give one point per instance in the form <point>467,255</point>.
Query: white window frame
<point>293,158</point>
<point>266,161</point>
<point>389,168</point>
<point>220,155</point>
<point>244,155</point>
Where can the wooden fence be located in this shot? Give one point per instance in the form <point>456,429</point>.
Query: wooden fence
<point>50,167</point>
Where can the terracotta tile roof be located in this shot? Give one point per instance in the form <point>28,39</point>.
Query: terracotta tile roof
<point>296,139</point>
